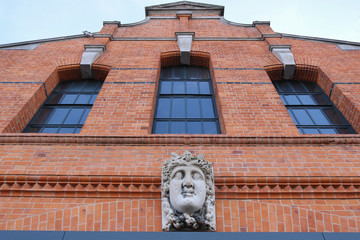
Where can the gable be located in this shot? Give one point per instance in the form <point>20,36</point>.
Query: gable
<point>184,5</point>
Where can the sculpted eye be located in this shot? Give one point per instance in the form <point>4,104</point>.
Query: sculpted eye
<point>197,176</point>
<point>178,175</point>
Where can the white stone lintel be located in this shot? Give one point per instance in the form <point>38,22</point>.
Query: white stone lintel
<point>90,54</point>
<point>184,41</point>
<point>183,12</point>
<point>284,54</point>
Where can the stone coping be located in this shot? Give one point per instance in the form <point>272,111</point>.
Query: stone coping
<point>168,139</point>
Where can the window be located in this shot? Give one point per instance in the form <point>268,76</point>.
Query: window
<point>185,102</point>
<point>66,109</point>
<point>311,110</point>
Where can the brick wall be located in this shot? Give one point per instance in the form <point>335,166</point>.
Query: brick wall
<point>268,177</point>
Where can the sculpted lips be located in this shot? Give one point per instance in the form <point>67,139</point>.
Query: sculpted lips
<point>188,192</point>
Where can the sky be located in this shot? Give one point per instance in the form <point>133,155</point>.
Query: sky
<point>25,20</point>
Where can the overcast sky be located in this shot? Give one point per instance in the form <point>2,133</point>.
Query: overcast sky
<point>24,20</point>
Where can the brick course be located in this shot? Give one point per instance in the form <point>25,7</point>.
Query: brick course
<point>268,176</point>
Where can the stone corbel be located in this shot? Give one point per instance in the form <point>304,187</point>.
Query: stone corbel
<point>184,41</point>
<point>284,54</point>
<point>90,54</point>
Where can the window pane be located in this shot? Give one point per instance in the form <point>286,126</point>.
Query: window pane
<point>83,99</point>
<point>204,73</point>
<point>207,108</point>
<point>179,87</point>
<point>210,128</point>
<point>298,87</point>
<point>191,72</point>
<point>50,130</point>
<point>90,86</point>
<point>283,99</point>
<point>302,117</point>
<point>204,87</point>
<point>58,116</point>
<point>334,117</point>
<point>74,116</point>
<point>192,88</point>
<point>165,87</point>
<point>292,116</point>
<point>320,99</point>
<point>67,130</point>
<point>312,87</point>
<point>161,127</point>
<point>327,131</point>
<point>178,108</point>
<point>42,116</point>
<point>163,110</point>
<point>84,116</point>
<point>55,98</point>
<point>194,128</point>
<point>177,127</point>
<point>77,86</point>
<point>77,130</point>
<point>166,73</point>
<point>283,86</point>
<point>33,130</point>
<point>63,86</point>
<point>68,99</point>
<point>193,108</point>
<point>318,116</point>
<point>93,98</point>
<point>310,130</point>
<point>344,130</point>
<point>291,100</point>
<point>306,100</point>
<point>179,72</point>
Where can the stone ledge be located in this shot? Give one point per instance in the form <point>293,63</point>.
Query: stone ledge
<point>184,140</point>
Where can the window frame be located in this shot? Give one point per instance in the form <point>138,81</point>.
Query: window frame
<point>185,95</point>
<point>58,90</point>
<point>322,107</point>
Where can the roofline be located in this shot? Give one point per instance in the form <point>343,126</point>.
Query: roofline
<point>44,40</point>
<point>319,39</point>
<point>160,7</point>
<point>285,35</point>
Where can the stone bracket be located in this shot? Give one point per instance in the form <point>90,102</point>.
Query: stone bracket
<point>184,41</point>
<point>90,54</point>
<point>284,54</point>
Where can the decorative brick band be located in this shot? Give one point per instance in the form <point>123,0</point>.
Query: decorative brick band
<point>185,140</point>
<point>149,187</point>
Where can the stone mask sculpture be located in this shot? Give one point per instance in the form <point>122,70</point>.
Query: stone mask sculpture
<point>188,196</point>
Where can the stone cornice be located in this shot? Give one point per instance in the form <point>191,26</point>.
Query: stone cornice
<point>254,187</point>
<point>185,140</point>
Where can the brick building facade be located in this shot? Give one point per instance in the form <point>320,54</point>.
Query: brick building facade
<point>107,177</point>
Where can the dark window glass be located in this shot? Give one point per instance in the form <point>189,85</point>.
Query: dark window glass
<point>66,109</point>
<point>195,128</point>
<point>310,109</point>
<point>193,108</point>
<point>185,102</point>
<point>177,127</point>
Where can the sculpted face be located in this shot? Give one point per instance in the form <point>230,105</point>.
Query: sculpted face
<point>187,189</point>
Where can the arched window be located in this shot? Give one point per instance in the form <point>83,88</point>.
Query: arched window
<point>185,102</point>
<point>311,110</point>
<point>66,109</point>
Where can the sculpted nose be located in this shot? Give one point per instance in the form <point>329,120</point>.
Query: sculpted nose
<point>188,182</point>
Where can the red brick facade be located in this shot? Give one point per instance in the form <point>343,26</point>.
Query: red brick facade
<point>268,176</point>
